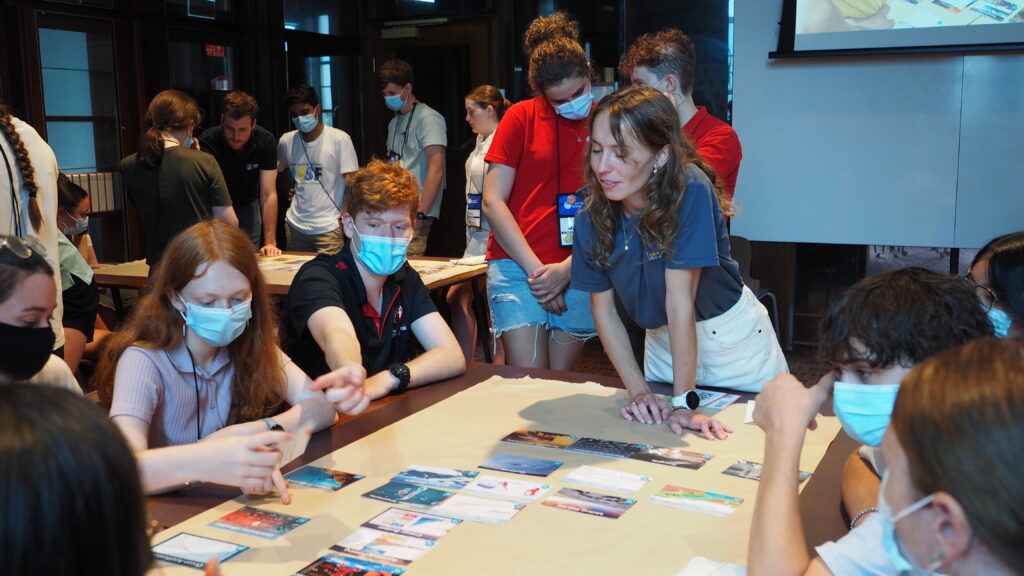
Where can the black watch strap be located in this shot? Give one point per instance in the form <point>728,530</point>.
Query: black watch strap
<point>400,371</point>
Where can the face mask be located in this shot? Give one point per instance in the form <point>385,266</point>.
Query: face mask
<point>1000,322</point>
<point>902,564</point>
<point>188,142</point>
<point>576,108</point>
<point>80,227</point>
<point>380,254</point>
<point>26,350</point>
<point>394,102</point>
<point>217,326</point>
<point>864,409</point>
<point>305,124</point>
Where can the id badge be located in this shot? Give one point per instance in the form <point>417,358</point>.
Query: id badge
<point>568,205</point>
<point>473,206</point>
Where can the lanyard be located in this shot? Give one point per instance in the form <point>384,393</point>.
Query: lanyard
<point>408,125</point>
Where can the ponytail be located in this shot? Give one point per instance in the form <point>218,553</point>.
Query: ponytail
<point>168,110</point>
<point>151,147</point>
<point>24,163</point>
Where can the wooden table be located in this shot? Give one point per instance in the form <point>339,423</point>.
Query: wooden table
<point>819,501</point>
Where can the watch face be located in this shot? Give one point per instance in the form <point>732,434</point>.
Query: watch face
<point>692,399</point>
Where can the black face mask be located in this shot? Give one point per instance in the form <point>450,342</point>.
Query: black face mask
<point>24,351</point>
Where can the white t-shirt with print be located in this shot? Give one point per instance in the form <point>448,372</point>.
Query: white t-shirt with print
<point>318,171</point>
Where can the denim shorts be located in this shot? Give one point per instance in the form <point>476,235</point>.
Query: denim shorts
<point>513,306</point>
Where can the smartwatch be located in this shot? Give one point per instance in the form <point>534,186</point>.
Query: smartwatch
<point>421,216</point>
<point>689,400</point>
<point>400,371</point>
<point>272,424</point>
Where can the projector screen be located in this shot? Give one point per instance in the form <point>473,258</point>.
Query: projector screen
<point>822,25</point>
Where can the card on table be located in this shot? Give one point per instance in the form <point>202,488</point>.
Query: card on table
<point>510,489</point>
<point>540,438</point>
<point>716,400</point>
<point>333,565</point>
<point>257,522</point>
<point>321,478</point>
<point>590,503</point>
<point>521,465</point>
<point>478,509</point>
<point>443,478</point>
<point>676,457</point>
<point>385,546</point>
<point>408,494</point>
<point>607,448</point>
<point>410,523</point>
<point>752,470</point>
<point>195,551</point>
<point>604,479</point>
<point>696,501</point>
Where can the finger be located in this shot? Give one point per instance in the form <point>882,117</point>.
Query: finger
<point>677,428</point>
<point>267,438</point>
<point>813,424</point>
<point>212,567</point>
<point>720,430</point>
<point>262,459</point>
<point>644,412</point>
<point>705,429</point>
<point>282,486</point>
<point>626,414</point>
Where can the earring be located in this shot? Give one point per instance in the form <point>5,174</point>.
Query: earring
<point>654,170</point>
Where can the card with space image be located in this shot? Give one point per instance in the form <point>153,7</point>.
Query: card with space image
<point>540,438</point>
<point>321,478</point>
<point>412,523</point>
<point>195,551</point>
<point>590,503</point>
<point>258,522</point>
<point>607,448</point>
<point>521,465</point>
<point>408,494</point>
<point>443,478</point>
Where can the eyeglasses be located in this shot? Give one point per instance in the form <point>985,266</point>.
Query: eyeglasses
<point>22,248</point>
<point>985,294</point>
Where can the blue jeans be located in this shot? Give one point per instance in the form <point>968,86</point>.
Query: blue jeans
<point>513,306</point>
<point>250,220</point>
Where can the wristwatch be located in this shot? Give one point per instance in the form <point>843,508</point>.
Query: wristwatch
<point>421,216</point>
<point>689,400</point>
<point>400,371</point>
<point>272,424</point>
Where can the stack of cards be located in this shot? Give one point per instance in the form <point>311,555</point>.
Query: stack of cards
<point>603,479</point>
<point>696,501</point>
<point>590,503</point>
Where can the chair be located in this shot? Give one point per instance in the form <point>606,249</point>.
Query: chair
<point>741,253</point>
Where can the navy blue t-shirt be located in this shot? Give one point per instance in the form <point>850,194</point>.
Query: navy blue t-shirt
<point>638,274</point>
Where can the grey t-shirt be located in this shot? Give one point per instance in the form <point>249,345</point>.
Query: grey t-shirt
<point>638,274</point>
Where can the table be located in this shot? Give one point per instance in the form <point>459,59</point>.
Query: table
<point>402,412</point>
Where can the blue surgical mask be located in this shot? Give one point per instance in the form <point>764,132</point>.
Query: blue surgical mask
<point>380,254</point>
<point>217,326</point>
<point>306,123</point>
<point>394,102</point>
<point>188,142</point>
<point>864,409</point>
<point>81,226</point>
<point>904,566</point>
<point>577,108</point>
<point>1000,322</point>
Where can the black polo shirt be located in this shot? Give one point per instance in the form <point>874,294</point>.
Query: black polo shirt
<point>242,168</point>
<point>334,280</point>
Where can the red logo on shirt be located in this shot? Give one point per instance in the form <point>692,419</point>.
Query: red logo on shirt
<point>398,314</point>
<point>341,265</point>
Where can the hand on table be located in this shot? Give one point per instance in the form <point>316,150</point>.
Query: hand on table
<point>345,388</point>
<point>785,402</point>
<point>647,408</point>
<point>710,428</point>
<point>270,250</point>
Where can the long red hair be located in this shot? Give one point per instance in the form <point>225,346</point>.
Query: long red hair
<point>258,386</point>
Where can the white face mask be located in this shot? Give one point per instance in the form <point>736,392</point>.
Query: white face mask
<point>904,566</point>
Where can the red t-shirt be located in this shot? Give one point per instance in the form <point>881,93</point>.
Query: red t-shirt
<point>525,140</point>
<point>718,144</point>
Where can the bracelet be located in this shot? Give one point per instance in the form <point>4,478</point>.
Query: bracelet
<point>861,514</point>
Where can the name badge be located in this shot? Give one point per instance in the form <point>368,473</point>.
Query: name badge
<point>473,206</point>
<point>568,205</point>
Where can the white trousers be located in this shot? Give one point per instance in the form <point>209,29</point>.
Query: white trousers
<point>737,349</point>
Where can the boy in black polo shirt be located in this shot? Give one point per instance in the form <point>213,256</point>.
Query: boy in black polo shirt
<point>358,310</point>
<point>247,155</point>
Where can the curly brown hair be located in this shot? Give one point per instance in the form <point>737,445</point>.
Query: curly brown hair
<point>24,164</point>
<point>552,46</point>
<point>901,317</point>
<point>258,385</point>
<point>398,72</point>
<point>648,118</point>
<point>666,52</point>
<point>381,186</point>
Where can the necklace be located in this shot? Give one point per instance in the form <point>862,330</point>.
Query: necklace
<point>626,234</point>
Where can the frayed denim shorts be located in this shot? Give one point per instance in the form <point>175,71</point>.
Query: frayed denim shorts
<point>513,306</point>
